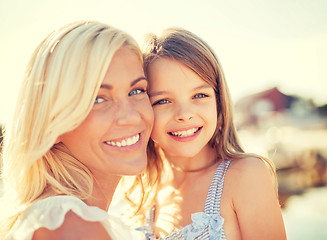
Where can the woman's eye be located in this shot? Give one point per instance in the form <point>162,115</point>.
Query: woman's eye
<point>136,92</point>
<point>161,102</point>
<point>98,100</point>
<point>200,95</point>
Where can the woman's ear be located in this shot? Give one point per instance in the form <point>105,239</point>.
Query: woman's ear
<point>58,140</point>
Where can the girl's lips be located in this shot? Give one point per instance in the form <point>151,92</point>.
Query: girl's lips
<point>185,136</point>
<point>185,132</point>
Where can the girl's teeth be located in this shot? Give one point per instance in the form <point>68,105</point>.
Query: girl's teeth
<point>126,142</point>
<point>187,133</point>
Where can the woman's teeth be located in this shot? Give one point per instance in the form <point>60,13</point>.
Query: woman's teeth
<point>187,133</point>
<point>125,142</point>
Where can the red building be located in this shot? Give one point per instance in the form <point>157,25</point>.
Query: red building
<point>260,105</point>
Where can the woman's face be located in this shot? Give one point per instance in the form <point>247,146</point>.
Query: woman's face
<point>184,109</point>
<point>113,137</point>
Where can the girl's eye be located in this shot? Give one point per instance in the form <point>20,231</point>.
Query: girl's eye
<point>98,100</point>
<point>161,102</point>
<point>200,95</point>
<point>136,92</point>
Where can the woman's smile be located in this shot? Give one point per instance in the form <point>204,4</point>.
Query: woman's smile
<point>113,137</point>
<point>128,143</point>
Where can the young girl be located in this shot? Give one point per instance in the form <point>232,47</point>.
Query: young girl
<point>83,119</point>
<point>208,188</point>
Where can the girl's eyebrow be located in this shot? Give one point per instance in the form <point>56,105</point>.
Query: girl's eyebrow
<point>203,86</point>
<point>110,87</point>
<point>153,94</point>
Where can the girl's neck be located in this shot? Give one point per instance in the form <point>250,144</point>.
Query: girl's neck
<point>183,167</point>
<point>206,167</point>
<point>204,159</point>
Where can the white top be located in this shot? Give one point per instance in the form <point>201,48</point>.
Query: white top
<point>50,213</point>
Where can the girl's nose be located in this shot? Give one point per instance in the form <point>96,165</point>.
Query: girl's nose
<point>183,113</point>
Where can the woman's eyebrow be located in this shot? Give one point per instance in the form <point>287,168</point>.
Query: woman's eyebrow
<point>106,86</point>
<point>137,80</point>
<point>109,87</point>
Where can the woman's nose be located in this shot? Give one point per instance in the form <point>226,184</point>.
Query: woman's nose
<point>127,114</point>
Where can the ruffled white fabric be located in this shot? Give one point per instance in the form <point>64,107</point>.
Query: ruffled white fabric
<point>50,213</point>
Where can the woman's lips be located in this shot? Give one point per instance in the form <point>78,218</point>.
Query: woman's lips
<point>125,142</point>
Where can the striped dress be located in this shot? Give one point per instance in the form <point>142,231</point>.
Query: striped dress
<point>205,225</point>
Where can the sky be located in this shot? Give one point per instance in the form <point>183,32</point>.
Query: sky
<point>260,43</point>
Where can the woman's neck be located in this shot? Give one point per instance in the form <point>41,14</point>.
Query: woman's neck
<point>103,191</point>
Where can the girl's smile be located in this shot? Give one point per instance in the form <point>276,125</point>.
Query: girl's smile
<point>184,135</point>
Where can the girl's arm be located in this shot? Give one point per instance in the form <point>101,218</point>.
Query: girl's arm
<point>255,201</point>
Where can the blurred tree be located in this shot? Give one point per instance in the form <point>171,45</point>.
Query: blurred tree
<point>322,110</point>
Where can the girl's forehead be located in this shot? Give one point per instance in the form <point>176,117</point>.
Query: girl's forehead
<point>172,77</point>
<point>167,69</point>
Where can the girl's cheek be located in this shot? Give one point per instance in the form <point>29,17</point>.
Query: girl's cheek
<point>160,115</point>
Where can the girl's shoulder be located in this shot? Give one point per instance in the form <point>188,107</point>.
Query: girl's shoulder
<point>249,176</point>
<point>246,166</point>
<point>250,194</point>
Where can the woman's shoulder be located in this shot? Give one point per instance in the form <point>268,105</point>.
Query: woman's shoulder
<point>52,210</point>
<point>73,227</point>
<point>56,212</point>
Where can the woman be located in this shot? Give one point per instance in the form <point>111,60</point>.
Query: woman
<point>204,186</point>
<point>83,119</point>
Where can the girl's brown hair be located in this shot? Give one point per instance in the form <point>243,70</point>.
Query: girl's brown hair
<point>187,48</point>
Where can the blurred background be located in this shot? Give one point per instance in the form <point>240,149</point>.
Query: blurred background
<point>274,54</point>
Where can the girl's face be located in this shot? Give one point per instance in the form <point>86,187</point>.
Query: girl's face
<point>113,137</point>
<point>184,107</point>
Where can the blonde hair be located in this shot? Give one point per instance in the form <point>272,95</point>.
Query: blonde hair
<point>187,48</point>
<point>60,85</point>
